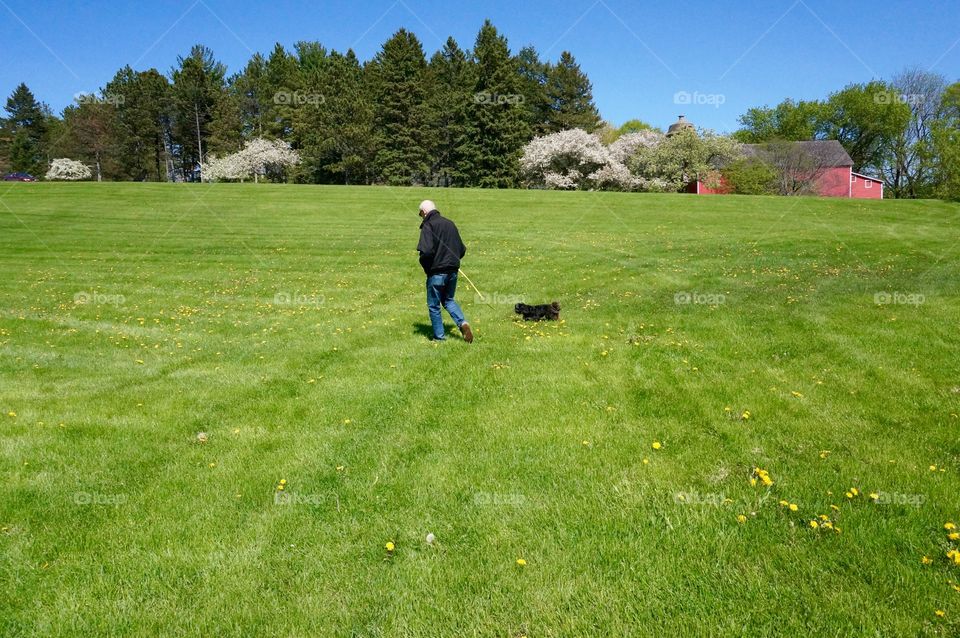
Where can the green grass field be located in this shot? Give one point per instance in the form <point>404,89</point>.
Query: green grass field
<point>288,323</point>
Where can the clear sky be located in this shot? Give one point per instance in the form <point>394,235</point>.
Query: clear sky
<point>642,57</point>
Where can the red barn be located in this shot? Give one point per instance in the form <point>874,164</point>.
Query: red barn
<point>815,167</point>
<point>865,187</point>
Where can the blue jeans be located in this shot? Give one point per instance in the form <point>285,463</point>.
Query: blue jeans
<point>440,291</point>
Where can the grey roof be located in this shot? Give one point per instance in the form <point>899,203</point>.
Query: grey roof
<point>830,153</point>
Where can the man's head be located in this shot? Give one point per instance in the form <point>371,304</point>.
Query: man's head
<point>426,206</point>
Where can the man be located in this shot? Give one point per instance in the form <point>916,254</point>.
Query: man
<point>440,250</point>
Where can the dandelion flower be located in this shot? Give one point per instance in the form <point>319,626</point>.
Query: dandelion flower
<point>390,546</point>
<point>940,613</point>
<point>949,526</point>
<point>741,518</point>
<point>954,536</point>
<point>796,394</point>
<point>521,562</point>
<point>656,445</point>
<point>874,496</point>
<point>793,507</point>
<point>926,560</point>
<point>783,503</point>
<point>814,524</point>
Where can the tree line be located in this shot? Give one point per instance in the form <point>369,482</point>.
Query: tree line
<point>905,131</point>
<point>458,118</point>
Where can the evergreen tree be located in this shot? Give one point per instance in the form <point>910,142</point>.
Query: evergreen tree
<point>449,85</point>
<point>142,124</point>
<point>397,75</point>
<point>533,74</point>
<point>496,125</point>
<point>26,126</point>
<point>90,136</point>
<point>198,85</point>
<point>570,97</point>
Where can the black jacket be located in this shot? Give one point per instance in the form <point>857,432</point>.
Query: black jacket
<point>440,246</point>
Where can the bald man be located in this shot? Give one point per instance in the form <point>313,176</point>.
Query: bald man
<point>440,250</point>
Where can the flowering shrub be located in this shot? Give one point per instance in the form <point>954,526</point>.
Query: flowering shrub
<point>641,161</point>
<point>561,160</point>
<point>258,158</point>
<point>65,169</point>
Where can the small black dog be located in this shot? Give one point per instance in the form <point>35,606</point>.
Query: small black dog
<point>549,311</point>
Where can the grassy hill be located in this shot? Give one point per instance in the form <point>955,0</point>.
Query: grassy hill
<point>813,339</point>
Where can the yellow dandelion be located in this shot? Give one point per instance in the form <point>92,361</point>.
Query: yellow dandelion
<point>940,613</point>
<point>814,524</point>
<point>835,508</point>
<point>824,517</point>
<point>874,496</point>
<point>753,481</point>
<point>954,536</point>
<point>12,414</point>
<point>784,503</point>
<point>926,560</point>
<point>646,461</point>
<point>741,518</point>
<point>521,562</point>
<point>793,507</point>
<point>855,491</point>
<point>746,415</point>
<point>283,481</point>
<point>933,468</point>
<point>656,445</point>
<point>390,546</point>
<point>796,394</point>
<point>949,526</point>
<point>849,494</point>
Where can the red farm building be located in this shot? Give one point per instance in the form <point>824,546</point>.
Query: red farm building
<point>817,167</point>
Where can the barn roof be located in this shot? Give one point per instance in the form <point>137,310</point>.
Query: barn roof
<point>829,153</point>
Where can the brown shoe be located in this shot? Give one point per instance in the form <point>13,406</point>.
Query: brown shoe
<point>467,332</point>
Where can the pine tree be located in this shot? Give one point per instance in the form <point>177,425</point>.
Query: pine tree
<point>198,85</point>
<point>570,97</point>
<point>497,126</point>
<point>397,76</point>
<point>26,125</point>
<point>533,74</point>
<point>449,85</point>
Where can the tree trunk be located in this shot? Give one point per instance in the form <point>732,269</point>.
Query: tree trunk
<point>196,112</point>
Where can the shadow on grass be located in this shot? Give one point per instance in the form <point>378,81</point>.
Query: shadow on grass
<point>426,330</point>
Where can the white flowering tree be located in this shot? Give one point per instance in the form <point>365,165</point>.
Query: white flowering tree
<point>66,169</point>
<point>682,158</point>
<point>259,158</point>
<point>563,160</point>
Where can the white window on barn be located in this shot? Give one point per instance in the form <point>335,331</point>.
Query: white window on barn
<point>867,183</point>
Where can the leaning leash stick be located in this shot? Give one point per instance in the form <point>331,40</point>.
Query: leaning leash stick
<point>473,285</point>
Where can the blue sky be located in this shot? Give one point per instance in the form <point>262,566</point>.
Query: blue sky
<point>643,58</point>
